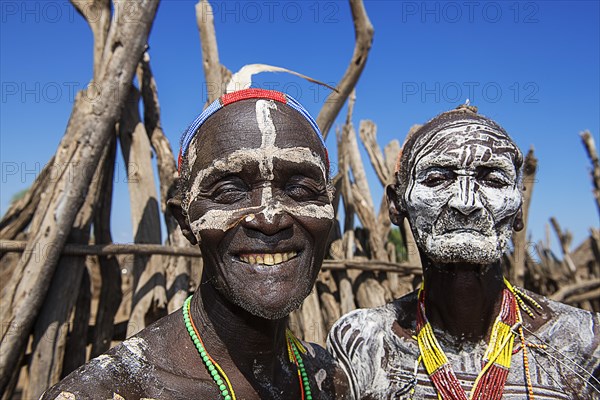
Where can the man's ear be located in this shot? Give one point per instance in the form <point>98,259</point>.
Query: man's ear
<point>518,222</point>
<point>174,204</point>
<point>395,205</point>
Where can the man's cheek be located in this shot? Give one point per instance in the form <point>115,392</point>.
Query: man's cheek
<point>220,220</point>
<point>426,201</point>
<point>502,203</point>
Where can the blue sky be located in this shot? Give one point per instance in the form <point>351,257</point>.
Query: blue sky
<point>531,65</point>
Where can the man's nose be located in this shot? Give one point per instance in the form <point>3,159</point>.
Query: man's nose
<point>269,221</point>
<point>466,198</point>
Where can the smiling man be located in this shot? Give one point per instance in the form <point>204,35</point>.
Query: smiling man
<point>255,195</point>
<point>467,333</point>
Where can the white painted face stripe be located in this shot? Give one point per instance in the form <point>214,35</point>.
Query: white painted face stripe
<point>226,219</point>
<point>267,129</point>
<point>265,122</point>
<point>269,133</point>
<point>263,156</point>
<point>457,131</point>
<point>235,161</point>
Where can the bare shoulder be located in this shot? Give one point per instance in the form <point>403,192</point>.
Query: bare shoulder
<point>397,317</point>
<point>572,329</point>
<point>365,339</point>
<point>115,374</point>
<point>133,369</point>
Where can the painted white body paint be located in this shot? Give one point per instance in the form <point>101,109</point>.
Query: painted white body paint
<point>309,348</point>
<point>192,154</point>
<point>65,396</point>
<point>103,360</point>
<point>320,376</point>
<point>380,364</point>
<point>463,218</point>
<point>264,157</point>
<point>136,347</point>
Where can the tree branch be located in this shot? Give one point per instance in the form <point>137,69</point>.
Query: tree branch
<point>363,30</point>
<point>88,131</point>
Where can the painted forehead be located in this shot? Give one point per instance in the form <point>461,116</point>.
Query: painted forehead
<point>242,129</point>
<point>191,134</point>
<point>464,143</point>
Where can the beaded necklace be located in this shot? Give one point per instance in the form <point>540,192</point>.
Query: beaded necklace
<point>294,348</point>
<point>496,360</point>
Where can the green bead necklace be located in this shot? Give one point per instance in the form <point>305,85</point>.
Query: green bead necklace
<point>294,347</point>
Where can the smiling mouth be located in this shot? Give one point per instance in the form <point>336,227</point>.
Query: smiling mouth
<point>267,258</point>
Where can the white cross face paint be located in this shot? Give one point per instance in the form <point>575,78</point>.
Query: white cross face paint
<point>259,205</point>
<point>463,194</point>
<point>264,157</point>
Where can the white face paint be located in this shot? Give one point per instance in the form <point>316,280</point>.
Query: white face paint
<point>263,157</point>
<point>463,194</point>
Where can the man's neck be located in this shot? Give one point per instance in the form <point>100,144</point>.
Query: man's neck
<point>461,299</point>
<point>237,339</point>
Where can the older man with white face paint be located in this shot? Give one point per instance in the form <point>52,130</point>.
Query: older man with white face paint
<point>467,333</point>
<point>255,195</point>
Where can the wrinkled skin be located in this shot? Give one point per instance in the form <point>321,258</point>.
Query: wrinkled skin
<point>259,207</point>
<point>463,196</point>
<point>459,187</point>
<point>277,204</point>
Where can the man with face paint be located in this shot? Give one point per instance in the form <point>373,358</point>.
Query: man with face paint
<point>255,195</point>
<point>467,333</point>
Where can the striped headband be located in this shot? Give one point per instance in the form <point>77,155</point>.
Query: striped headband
<point>229,98</point>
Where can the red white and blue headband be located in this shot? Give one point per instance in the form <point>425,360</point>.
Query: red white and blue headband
<point>230,98</point>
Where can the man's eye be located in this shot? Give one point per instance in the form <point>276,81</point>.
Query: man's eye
<point>301,192</point>
<point>495,179</point>
<point>436,178</point>
<point>228,193</point>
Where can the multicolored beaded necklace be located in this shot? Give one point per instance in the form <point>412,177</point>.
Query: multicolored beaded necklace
<point>490,382</point>
<point>294,348</point>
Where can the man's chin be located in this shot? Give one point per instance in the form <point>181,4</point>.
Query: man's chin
<point>268,307</point>
<point>463,247</point>
<point>268,311</point>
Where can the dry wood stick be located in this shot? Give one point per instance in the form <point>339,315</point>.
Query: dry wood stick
<point>312,319</point>
<point>75,349</point>
<point>98,15</point>
<point>177,269</point>
<point>363,31</point>
<point>210,51</point>
<point>517,275</point>
<point>148,272</point>
<point>590,147</point>
<point>110,270</point>
<point>150,249</point>
<point>93,125</point>
<point>575,288</point>
<point>368,135</point>
<point>19,214</point>
<point>51,327</point>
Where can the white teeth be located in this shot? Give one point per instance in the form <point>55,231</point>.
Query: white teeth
<point>268,258</point>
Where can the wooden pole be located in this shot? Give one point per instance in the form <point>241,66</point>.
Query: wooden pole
<point>89,130</point>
